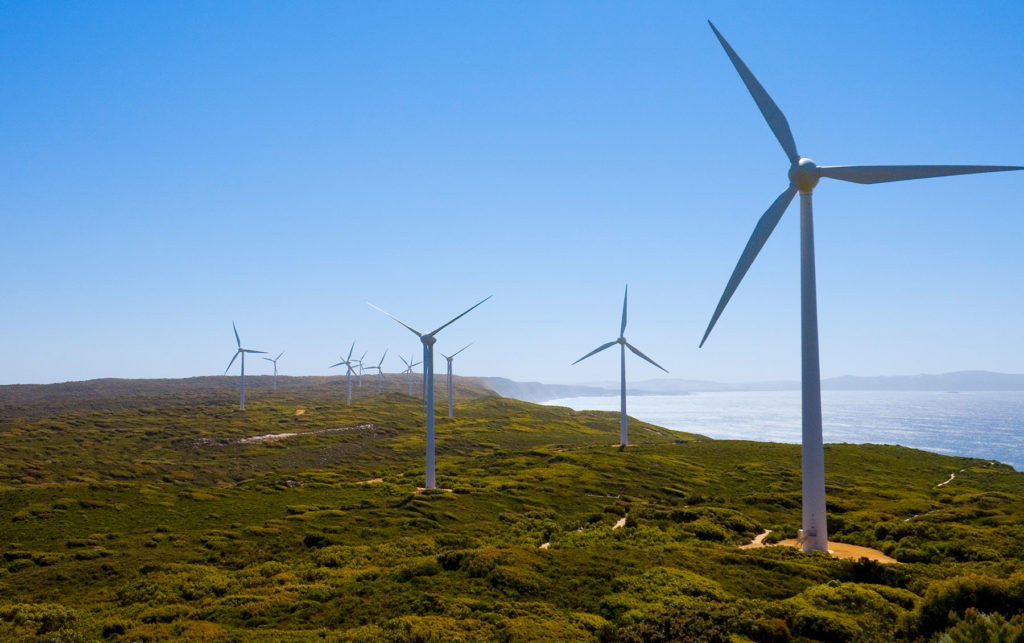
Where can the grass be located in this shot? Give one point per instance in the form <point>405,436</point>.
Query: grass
<point>139,514</point>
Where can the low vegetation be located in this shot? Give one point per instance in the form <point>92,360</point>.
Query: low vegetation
<point>152,515</point>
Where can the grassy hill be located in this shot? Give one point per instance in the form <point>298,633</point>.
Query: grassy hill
<point>158,511</point>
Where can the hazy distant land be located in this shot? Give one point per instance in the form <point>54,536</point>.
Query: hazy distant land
<point>956,381</point>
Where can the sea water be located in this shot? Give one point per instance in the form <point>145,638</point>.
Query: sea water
<point>980,424</point>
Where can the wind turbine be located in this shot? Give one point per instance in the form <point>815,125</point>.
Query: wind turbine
<point>275,367</point>
<point>451,404</point>
<point>347,363</point>
<point>803,177</point>
<point>241,351</point>
<point>360,363</point>
<point>623,345</point>
<point>428,340</point>
<point>380,372</point>
<point>408,370</point>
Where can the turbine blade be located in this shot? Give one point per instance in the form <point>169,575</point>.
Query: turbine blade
<point>418,334</point>
<point>886,173</point>
<point>642,356</point>
<point>268,359</point>
<point>233,358</point>
<point>382,358</point>
<point>596,350</point>
<point>237,341</point>
<point>771,112</point>
<point>415,365</point>
<point>462,349</point>
<point>762,231</point>
<point>338,364</point>
<point>463,314</point>
<point>622,331</point>
<point>249,350</point>
<point>403,361</point>
<point>350,350</point>
<point>279,356</point>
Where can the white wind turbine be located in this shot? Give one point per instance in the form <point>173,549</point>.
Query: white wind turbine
<point>275,366</point>
<point>347,363</point>
<point>380,372</point>
<point>360,363</point>
<point>428,340</point>
<point>241,351</point>
<point>623,345</point>
<point>408,370</point>
<point>451,401</point>
<point>803,177</point>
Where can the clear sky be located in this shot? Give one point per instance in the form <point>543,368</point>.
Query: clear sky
<point>171,167</point>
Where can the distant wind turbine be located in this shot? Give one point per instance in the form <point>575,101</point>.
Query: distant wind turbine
<point>623,345</point>
<point>347,363</point>
<point>428,340</point>
<point>451,402</point>
<point>360,363</point>
<point>408,370</point>
<point>275,367</point>
<point>241,351</point>
<point>380,372</point>
<point>803,177</point>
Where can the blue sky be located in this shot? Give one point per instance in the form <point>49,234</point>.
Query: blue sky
<point>171,167</point>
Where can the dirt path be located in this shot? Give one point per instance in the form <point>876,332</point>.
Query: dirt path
<point>949,479</point>
<point>836,550</point>
<point>842,550</point>
<point>758,540</point>
<point>271,437</point>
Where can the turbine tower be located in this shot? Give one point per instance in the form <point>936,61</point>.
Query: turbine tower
<point>347,363</point>
<point>623,345</point>
<point>380,372</point>
<point>803,177</point>
<point>451,402</point>
<point>241,351</point>
<point>275,367</point>
<point>428,340</point>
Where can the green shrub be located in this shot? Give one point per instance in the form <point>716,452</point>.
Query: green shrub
<point>405,573</point>
<point>824,626</point>
<point>92,553</point>
<point>945,600</point>
<point>682,624</point>
<point>112,627</point>
<point>164,613</point>
<point>513,580</point>
<point>43,618</point>
<point>707,530</point>
<point>975,627</point>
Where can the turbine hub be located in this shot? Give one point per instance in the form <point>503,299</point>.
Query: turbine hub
<point>621,340</point>
<point>804,174</point>
<point>429,340</point>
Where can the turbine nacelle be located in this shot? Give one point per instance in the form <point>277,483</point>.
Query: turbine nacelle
<point>804,174</point>
<point>428,340</point>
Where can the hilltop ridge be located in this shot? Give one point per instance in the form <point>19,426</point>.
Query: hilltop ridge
<point>955,381</point>
<point>300,520</point>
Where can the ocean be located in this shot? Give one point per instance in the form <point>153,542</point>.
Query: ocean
<point>980,424</point>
